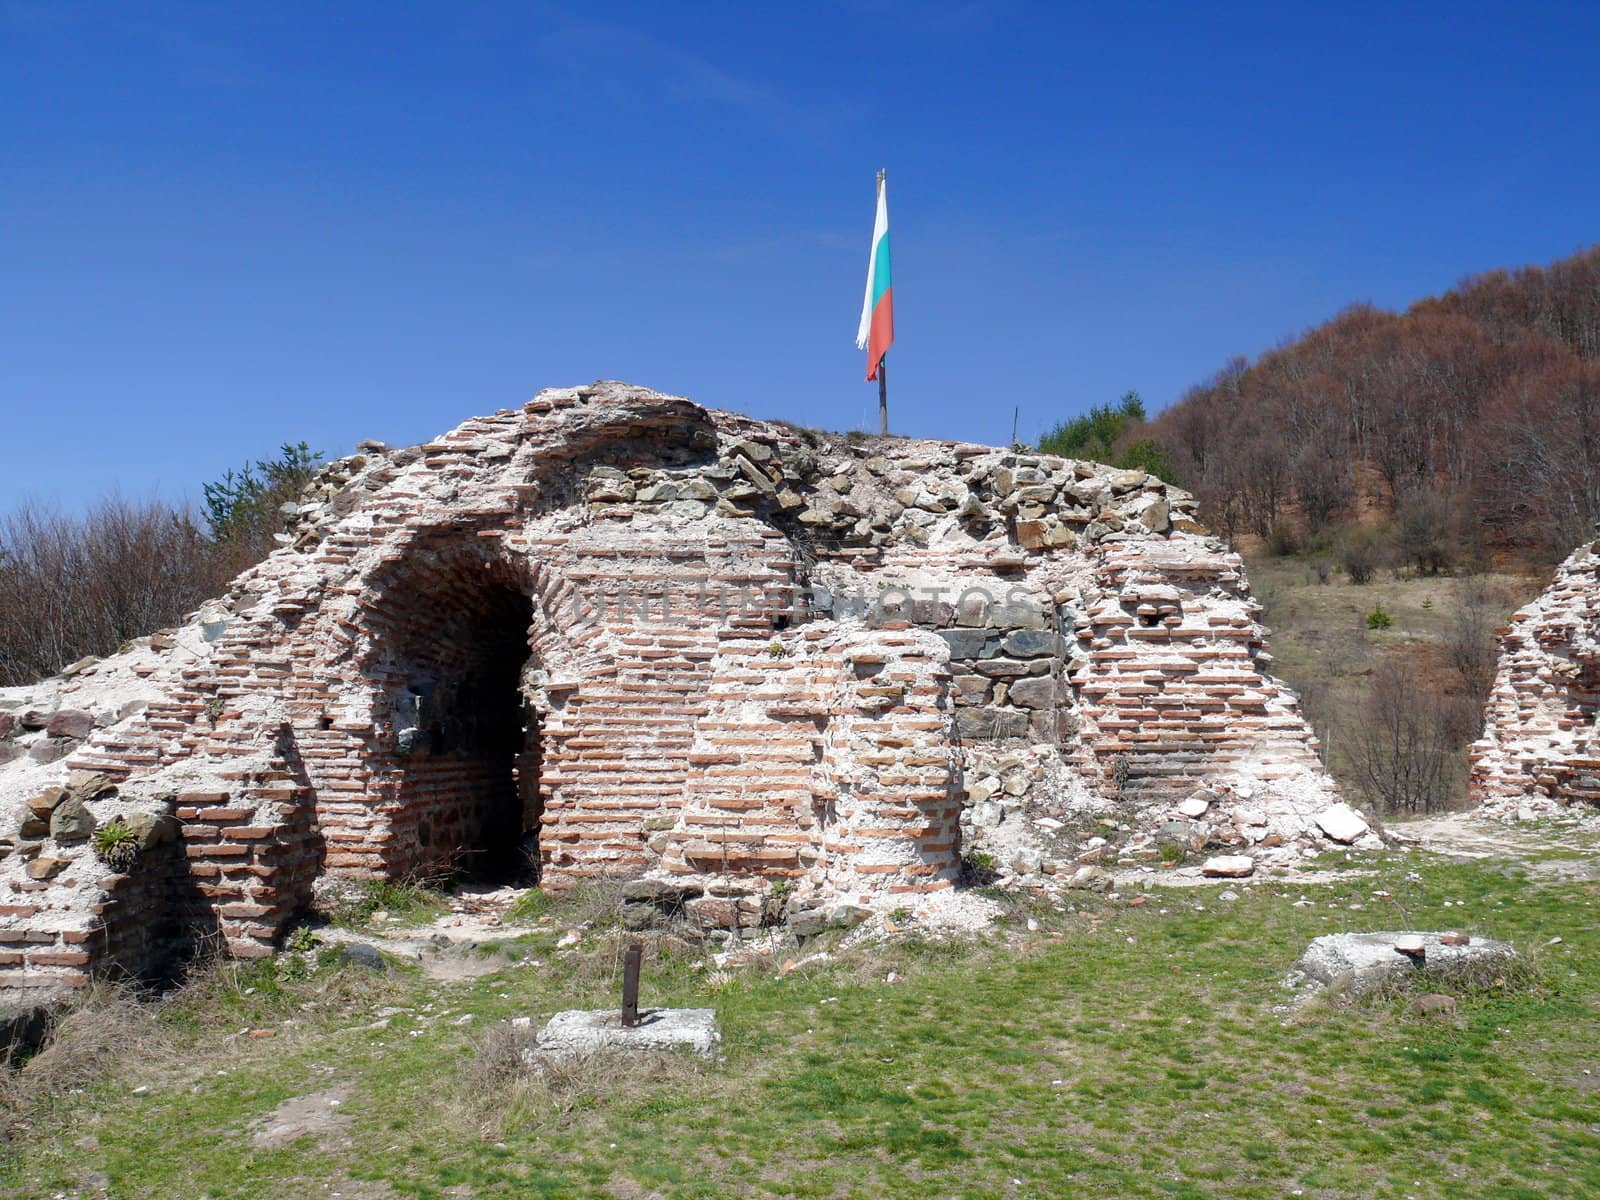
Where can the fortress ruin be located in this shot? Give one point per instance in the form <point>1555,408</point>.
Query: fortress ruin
<point>762,672</point>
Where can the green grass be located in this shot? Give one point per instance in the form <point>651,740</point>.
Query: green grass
<point>404,903</point>
<point>1119,1051</point>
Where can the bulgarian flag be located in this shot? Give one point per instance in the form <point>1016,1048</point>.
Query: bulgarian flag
<point>877,308</point>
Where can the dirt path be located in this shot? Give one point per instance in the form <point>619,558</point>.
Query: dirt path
<point>448,946</point>
<point>1564,850</point>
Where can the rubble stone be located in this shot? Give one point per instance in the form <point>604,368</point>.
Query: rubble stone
<point>1342,823</point>
<point>71,821</point>
<point>1229,866</point>
<point>69,723</point>
<point>1357,962</point>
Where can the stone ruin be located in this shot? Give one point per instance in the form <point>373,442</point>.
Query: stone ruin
<point>764,673</point>
<point>1539,754</point>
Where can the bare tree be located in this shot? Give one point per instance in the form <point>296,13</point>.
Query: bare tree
<point>1404,743</point>
<point>1489,393</point>
<point>76,586</point>
<point>1470,643</point>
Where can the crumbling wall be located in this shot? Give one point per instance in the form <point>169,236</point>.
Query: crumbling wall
<point>740,661</point>
<point>1539,753</point>
<point>822,762</point>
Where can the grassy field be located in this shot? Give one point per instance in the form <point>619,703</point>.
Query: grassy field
<point>1119,1049</point>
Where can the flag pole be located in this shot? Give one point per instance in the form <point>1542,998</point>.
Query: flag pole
<point>883,396</point>
<point>883,363</point>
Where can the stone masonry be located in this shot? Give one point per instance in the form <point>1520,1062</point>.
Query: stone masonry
<point>1539,752</point>
<point>760,671</point>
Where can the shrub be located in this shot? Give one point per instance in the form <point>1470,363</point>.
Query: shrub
<point>76,586</point>
<point>242,507</point>
<point>1283,539</point>
<point>1094,435</point>
<point>1359,556</point>
<point>1105,434</point>
<point>1470,643</point>
<point>979,868</point>
<point>1146,455</point>
<point>89,585</point>
<point>1378,619</point>
<point>1424,530</point>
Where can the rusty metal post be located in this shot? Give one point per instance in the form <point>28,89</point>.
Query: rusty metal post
<point>630,985</point>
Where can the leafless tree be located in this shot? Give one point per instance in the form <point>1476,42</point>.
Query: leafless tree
<point>1404,744</point>
<point>70,587</point>
<point>1470,642</point>
<point>1488,395</point>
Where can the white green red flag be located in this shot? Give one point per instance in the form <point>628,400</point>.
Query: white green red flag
<point>877,309</point>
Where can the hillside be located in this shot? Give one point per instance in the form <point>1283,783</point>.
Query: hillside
<point>1478,409</point>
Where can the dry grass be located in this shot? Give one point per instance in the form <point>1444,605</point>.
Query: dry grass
<point>506,1089</point>
<point>110,1032</point>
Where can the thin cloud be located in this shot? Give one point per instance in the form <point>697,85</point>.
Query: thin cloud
<point>635,67</point>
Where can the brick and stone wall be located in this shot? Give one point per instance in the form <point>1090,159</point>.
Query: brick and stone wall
<point>1539,752</point>
<point>624,635</point>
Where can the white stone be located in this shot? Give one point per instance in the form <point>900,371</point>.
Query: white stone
<point>1341,823</point>
<point>578,1032</point>
<point>1363,960</point>
<point>1194,807</point>
<point>1228,866</point>
<point>982,789</point>
<point>987,815</point>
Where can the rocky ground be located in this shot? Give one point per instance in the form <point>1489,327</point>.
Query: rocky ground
<point>1566,847</point>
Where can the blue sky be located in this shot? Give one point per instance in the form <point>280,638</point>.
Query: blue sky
<point>224,226</point>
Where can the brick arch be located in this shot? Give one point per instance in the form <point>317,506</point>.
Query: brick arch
<point>454,650</point>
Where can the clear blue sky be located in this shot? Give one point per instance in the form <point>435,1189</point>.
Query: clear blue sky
<point>223,226</point>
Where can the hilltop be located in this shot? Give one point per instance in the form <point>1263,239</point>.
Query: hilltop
<point>1472,417</point>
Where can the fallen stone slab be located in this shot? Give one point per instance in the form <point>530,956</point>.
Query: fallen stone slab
<point>1228,866</point>
<point>579,1032</point>
<point>1359,962</point>
<point>1342,823</point>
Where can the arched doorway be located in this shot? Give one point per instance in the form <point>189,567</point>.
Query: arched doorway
<point>456,753</point>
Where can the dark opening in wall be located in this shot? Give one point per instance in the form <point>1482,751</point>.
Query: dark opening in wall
<point>466,739</point>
